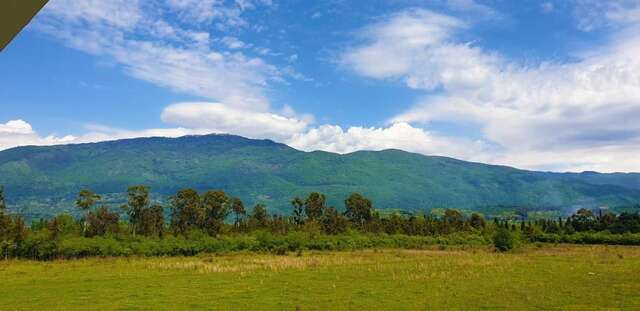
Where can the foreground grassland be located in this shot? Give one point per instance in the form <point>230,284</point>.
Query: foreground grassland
<point>550,277</point>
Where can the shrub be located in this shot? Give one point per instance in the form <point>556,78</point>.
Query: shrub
<point>503,240</point>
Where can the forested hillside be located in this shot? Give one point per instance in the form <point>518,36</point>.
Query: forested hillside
<point>43,181</point>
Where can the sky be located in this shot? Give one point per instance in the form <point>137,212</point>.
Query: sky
<point>541,85</point>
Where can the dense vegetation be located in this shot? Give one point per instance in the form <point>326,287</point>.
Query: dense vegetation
<point>199,223</point>
<point>43,181</point>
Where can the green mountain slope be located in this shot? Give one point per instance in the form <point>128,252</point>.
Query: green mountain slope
<point>42,181</point>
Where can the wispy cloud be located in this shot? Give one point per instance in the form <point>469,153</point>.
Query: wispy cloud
<point>566,108</point>
<point>547,7</point>
<point>221,13</point>
<point>593,14</point>
<point>153,48</point>
<point>473,7</point>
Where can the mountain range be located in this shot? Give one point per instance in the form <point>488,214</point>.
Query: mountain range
<point>43,180</point>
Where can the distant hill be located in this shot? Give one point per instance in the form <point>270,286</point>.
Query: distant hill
<point>42,181</point>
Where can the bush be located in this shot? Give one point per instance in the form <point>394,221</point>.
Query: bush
<point>503,240</point>
<point>40,244</point>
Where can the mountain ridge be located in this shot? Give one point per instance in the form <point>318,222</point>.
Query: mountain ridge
<point>43,180</point>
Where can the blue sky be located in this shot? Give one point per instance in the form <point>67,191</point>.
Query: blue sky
<point>550,85</point>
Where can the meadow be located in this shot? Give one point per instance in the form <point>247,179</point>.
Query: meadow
<point>560,277</point>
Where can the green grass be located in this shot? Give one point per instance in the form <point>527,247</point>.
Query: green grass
<point>551,277</point>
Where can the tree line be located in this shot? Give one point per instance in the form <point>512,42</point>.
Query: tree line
<point>216,214</point>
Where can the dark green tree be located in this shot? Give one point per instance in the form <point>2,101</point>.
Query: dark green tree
<point>260,216</point>
<point>298,211</point>
<point>503,240</point>
<point>583,220</point>
<point>55,227</point>
<point>215,204</point>
<point>314,206</point>
<point>152,221</point>
<point>137,201</point>
<point>477,221</point>
<point>187,211</point>
<point>3,202</point>
<point>101,222</point>
<point>453,221</point>
<point>626,222</point>
<point>393,224</point>
<point>19,231</point>
<point>333,222</point>
<point>238,209</point>
<point>62,224</point>
<point>279,224</point>
<point>358,209</point>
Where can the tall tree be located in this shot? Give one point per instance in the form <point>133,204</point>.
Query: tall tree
<point>454,219</point>
<point>333,222</point>
<point>359,209</point>
<point>260,215</point>
<point>86,199</point>
<point>298,211</point>
<point>238,209</point>
<point>314,206</point>
<point>102,221</point>
<point>138,200</point>
<point>215,204</point>
<point>477,221</point>
<point>3,203</point>
<point>151,222</point>
<point>583,220</point>
<point>187,211</point>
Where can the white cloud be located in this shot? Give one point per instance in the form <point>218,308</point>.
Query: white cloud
<point>400,41</point>
<point>20,133</point>
<point>16,127</point>
<point>123,14</point>
<point>17,133</point>
<point>225,14</point>
<point>263,51</point>
<point>594,14</point>
<point>473,7</point>
<point>218,118</point>
<point>188,119</point>
<point>232,42</point>
<point>151,48</point>
<point>396,136</point>
<point>97,133</point>
<point>562,109</point>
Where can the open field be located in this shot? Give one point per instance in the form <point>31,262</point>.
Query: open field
<point>551,277</point>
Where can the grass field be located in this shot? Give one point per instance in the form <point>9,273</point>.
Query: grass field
<point>551,277</point>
